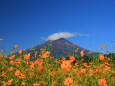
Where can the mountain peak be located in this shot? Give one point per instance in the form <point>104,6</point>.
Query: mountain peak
<point>61,39</point>
<point>58,39</point>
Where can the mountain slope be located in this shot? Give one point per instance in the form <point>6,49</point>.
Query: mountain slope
<point>62,47</point>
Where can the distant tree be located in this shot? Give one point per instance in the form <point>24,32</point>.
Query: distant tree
<point>111,56</point>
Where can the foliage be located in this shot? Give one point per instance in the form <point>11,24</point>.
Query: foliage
<point>40,68</point>
<point>66,71</point>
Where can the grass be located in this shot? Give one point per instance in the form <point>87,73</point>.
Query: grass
<point>71,71</point>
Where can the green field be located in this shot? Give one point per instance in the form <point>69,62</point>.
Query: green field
<point>66,71</point>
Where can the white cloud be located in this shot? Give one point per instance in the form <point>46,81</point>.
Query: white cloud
<point>59,35</point>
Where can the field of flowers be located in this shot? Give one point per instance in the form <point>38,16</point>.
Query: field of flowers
<point>19,71</point>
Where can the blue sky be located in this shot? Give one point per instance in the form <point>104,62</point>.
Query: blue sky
<point>24,22</point>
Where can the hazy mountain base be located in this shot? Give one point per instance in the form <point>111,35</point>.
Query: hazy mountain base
<point>58,49</point>
<point>62,48</point>
<point>55,55</point>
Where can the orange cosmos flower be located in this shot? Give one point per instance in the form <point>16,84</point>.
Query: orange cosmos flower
<point>107,51</point>
<point>16,46</point>
<point>1,54</point>
<point>106,68</point>
<point>31,49</point>
<point>102,82</point>
<point>32,65</point>
<point>12,57</point>
<point>82,53</point>
<point>53,83</point>
<point>8,82</point>
<point>76,50</point>
<point>2,68</point>
<point>41,69</point>
<point>1,39</point>
<point>24,83</point>
<point>33,57</point>
<point>59,61</point>
<point>36,84</point>
<point>66,65</point>
<point>53,73</point>
<point>18,59</point>
<point>76,64</point>
<point>22,76</point>
<point>83,70</point>
<point>81,60</point>
<point>43,82</point>
<point>90,52</point>
<point>91,63</point>
<point>91,72</point>
<point>32,75</point>
<point>74,43</point>
<point>10,69</point>
<point>112,77</point>
<point>84,50</point>
<point>5,56</point>
<point>108,59</point>
<point>15,51</point>
<point>72,58</point>
<point>101,57</point>
<point>46,54</point>
<point>42,49</point>
<point>39,61</point>
<point>3,73</point>
<point>63,58</point>
<point>102,45</point>
<point>25,50</point>
<point>68,81</point>
<point>20,51</point>
<point>11,61</point>
<point>85,65</point>
<point>98,71</point>
<point>17,73</point>
<point>27,56</point>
